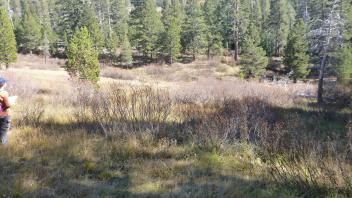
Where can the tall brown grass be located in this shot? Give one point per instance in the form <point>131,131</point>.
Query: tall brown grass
<point>294,154</point>
<point>296,157</point>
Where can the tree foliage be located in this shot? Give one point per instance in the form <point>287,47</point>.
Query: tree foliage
<point>82,57</point>
<point>153,28</point>
<point>345,68</point>
<point>8,51</point>
<point>28,33</point>
<point>194,38</point>
<point>253,60</point>
<point>296,52</point>
<point>126,55</point>
<point>150,29</point>
<point>277,27</point>
<point>213,25</point>
<point>172,35</point>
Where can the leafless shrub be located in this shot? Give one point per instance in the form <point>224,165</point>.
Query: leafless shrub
<point>339,95</point>
<point>214,62</point>
<point>296,157</point>
<point>210,89</point>
<point>308,163</point>
<point>134,109</point>
<point>155,70</point>
<point>116,73</point>
<point>81,95</point>
<point>30,113</point>
<point>233,120</point>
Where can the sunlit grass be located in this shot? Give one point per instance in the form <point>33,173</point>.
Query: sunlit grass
<point>55,155</point>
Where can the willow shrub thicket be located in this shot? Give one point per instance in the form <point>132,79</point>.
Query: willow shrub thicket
<point>299,154</point>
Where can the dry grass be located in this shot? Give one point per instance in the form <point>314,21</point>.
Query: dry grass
<point>38,62</point>
<point>207,134</point>
<point>206,89</point>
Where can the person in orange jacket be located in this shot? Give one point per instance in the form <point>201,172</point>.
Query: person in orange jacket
<point>5,114</point>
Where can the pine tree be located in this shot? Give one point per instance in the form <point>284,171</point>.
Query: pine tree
<point>235,15</point>
<point>74,14</point>
<point>90,21</point>
<point>277,28</point>
<point>120,18</point>
<point>111,43</point>
<point>29,33</point>
<point>70,16</point>
<point>8,52</point>
<point>265,10</point>
<point>46,47</point>
<point>325,36</point>
<point>45,21</point>
<point>126,55</point>
<point>344,70</point>
<point>172,36</point>
<point>150,29</point>
<point>253,58</point>
<point>82,57</point>
<point>213,23</point>
<point>193,36</point>
<point>135,26</point>
<point>296,52</point>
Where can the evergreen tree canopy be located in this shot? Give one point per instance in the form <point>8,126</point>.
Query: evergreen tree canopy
<point>121,17</point>
<point>254,58</point>
<point>126,56</point>
<point>277,28</point>
<point>345,68</point>
<point>172,36</point>
<point>82,57</point>
<point>29,33</point>
<point>150,29</point>
<point>8,51</point>
<point>213,35</point>
<point>92,24</point>
<point>296,52</point>
<point>193,36</point>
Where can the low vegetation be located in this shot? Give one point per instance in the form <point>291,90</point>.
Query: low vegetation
<point>170,98</point>
<point>71,139</point>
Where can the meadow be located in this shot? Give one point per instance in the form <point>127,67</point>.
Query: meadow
<point>190,130</point>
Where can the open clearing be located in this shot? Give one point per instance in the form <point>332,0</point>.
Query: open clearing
<point>53,154</point>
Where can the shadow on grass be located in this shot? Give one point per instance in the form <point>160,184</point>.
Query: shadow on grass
<point>24,179</point>
<point>49,173</point>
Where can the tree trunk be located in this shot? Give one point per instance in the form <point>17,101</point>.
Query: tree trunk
<point>235,56</point>
<point>208,52</point>
<point>321,80</point>
<point>194,55</point>
<point>325,57</point>
<point>236,31</point>
<point>170,57</point>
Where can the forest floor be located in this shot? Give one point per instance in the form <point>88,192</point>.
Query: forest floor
<point>51,155</point>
